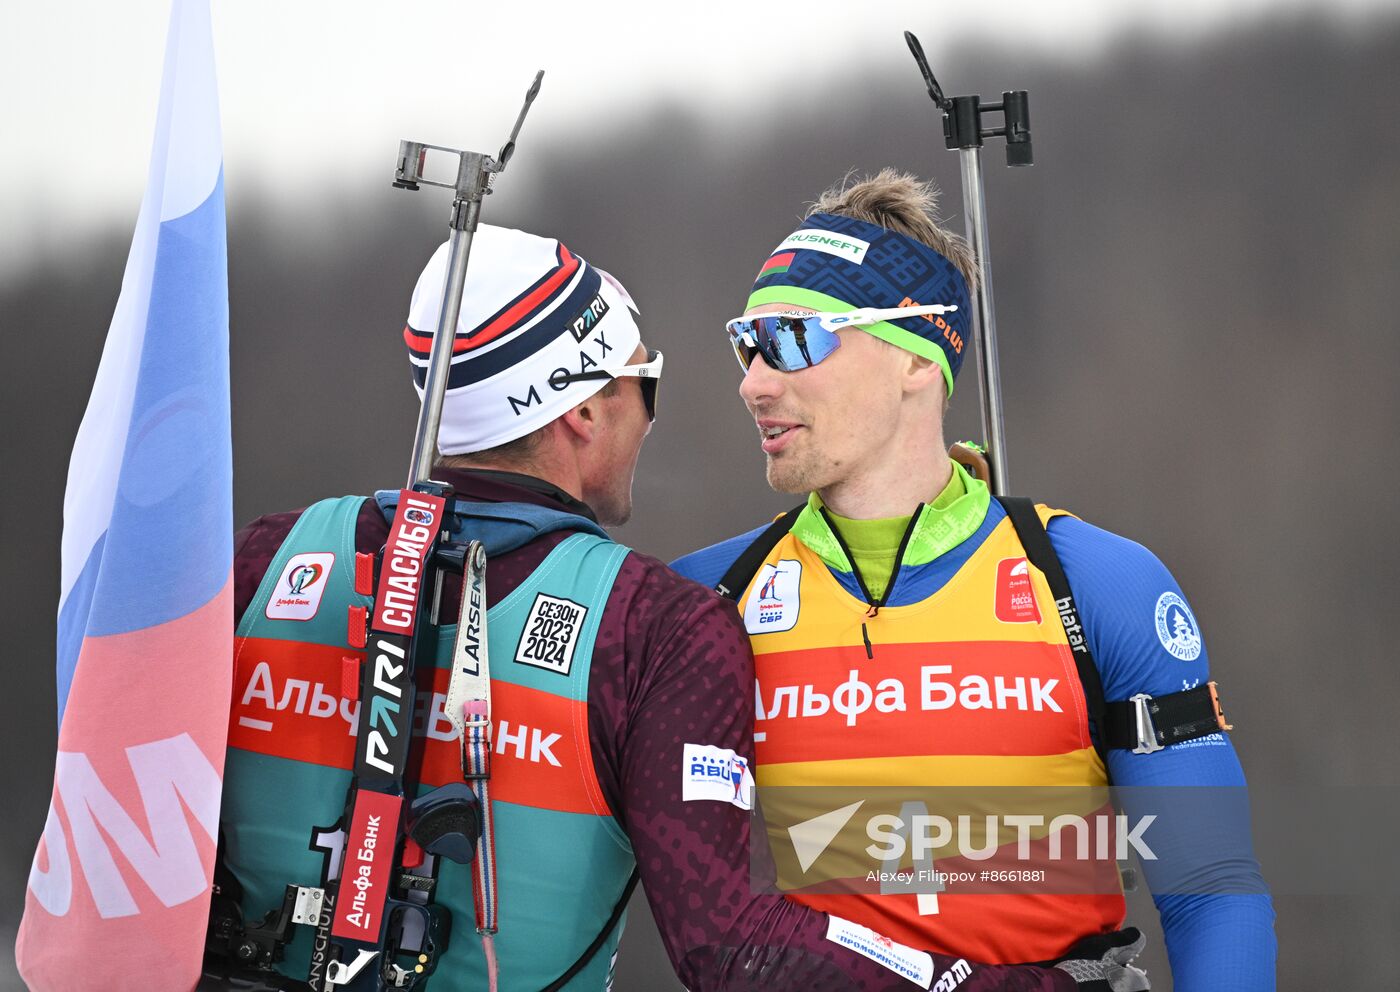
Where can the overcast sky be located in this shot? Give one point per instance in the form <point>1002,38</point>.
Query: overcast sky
<point>324,91</point>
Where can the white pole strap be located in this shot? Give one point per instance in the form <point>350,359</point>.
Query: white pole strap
<point>468,706</point>
<point>471,667</point>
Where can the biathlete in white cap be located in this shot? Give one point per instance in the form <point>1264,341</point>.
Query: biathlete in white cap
<point>622,693</point>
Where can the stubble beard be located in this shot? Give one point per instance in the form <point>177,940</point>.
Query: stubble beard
<point>791,475</point>
<point>615,508</point>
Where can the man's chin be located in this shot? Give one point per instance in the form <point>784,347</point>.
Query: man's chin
<point>613,509</point>
<point>613,516</point>
<point>784,476</point>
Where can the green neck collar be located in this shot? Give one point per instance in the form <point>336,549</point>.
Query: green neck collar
<point>950,519</point>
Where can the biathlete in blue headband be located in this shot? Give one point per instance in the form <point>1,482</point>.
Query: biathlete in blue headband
<point>911,630</point>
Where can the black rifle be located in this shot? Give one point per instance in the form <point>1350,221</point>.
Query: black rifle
<point>377,925</point>
<point>377,900</point>
<point>964,132</point>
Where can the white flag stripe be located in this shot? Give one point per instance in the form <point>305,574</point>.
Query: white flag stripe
<point>191,134</point>
<point>186,151</point>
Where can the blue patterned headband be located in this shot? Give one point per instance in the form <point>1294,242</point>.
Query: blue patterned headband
<point>833,264</point>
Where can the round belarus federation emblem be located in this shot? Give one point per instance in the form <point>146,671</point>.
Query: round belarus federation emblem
<point>1176,628</point>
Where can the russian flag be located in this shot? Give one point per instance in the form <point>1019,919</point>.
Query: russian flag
<point>118,893</point>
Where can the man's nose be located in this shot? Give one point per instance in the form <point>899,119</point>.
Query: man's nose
<point>760,382</point>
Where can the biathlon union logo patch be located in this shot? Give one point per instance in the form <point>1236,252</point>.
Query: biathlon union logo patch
<point>717,774</point>
<point>1176,627</point>
<point>775,602</point>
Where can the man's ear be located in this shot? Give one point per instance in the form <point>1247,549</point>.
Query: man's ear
<point>581,423</point>
<point>919,373</point>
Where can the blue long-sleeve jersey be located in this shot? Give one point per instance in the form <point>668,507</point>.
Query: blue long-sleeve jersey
<point>1144,638</point>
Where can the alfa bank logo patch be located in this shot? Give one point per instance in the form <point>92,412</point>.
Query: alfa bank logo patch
<point>774,604</point>
<point>300,587</point>
<point>1015,596</point>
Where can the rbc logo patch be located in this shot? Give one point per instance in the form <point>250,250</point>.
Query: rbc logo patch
<point>1176,627</point>
<point>775,602</point>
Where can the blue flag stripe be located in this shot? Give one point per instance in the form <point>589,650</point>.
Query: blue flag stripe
<point>169,548</point>
<point>72,622</point>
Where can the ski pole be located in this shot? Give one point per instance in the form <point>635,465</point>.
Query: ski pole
<point>476,172</point>
<point>963,131</point>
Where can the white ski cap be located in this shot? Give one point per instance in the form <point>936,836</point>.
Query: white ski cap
<point>531,311</point>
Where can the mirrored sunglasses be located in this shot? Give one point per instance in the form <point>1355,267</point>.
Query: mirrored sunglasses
<point>792,341</point>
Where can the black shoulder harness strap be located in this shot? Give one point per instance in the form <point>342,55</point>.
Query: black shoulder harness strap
<point>1042,555</point>
<point>745,567</point>
<point>1144,723</point>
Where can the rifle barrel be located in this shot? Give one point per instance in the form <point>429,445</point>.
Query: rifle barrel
<point>988,369</point>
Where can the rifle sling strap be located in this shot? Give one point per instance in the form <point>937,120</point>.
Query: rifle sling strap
<point>1143,723</point>
<point>746,566</point>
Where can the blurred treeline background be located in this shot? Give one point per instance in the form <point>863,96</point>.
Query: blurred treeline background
<point>1196,287</point>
